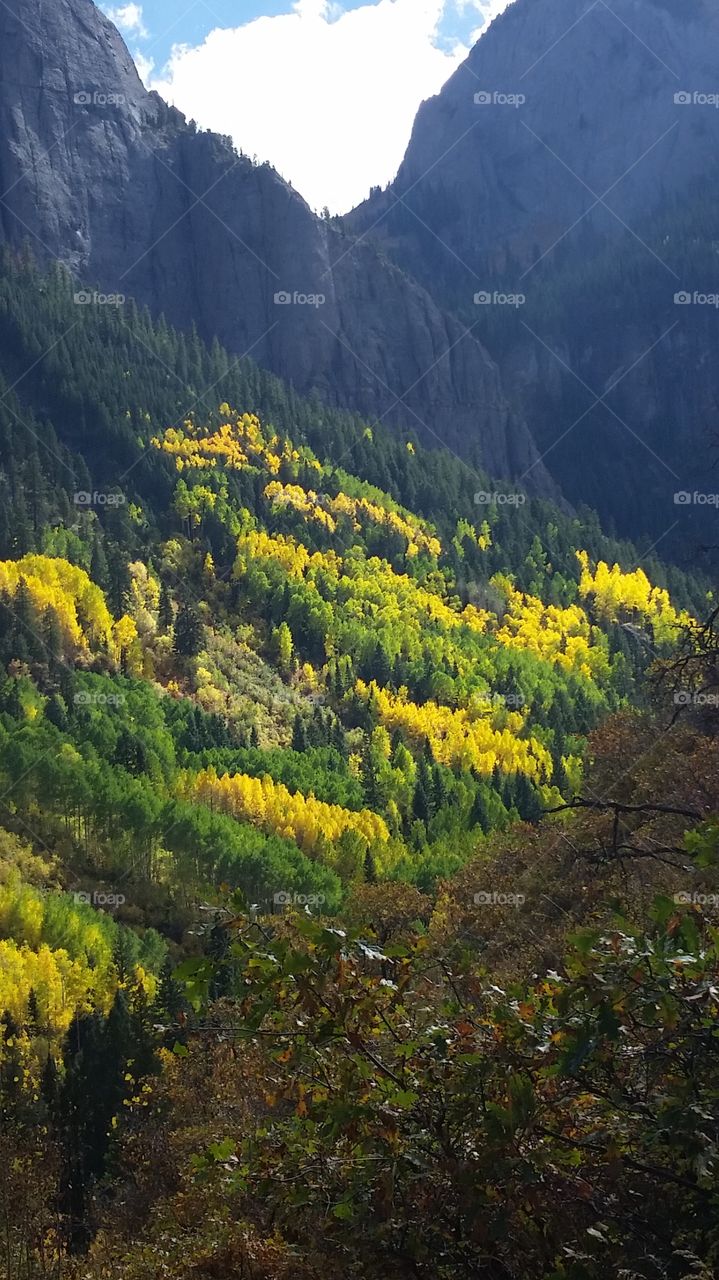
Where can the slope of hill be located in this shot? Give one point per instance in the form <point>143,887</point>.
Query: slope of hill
<point>441,649</point>
<point>283,700</point>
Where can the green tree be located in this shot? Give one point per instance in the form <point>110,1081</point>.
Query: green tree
<point>282,643</point>
<point>189,638</point>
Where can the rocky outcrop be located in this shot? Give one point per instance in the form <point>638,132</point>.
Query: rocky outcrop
<point>561,108</point>
<point>101,174</point>
<point>586,177</point>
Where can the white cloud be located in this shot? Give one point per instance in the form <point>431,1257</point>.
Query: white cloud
<point>129,18</point>
<point>327,96</point>
<point>145,66</point>
<point>486,8</point>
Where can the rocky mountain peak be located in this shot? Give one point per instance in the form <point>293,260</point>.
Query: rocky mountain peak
<point>557,106</point>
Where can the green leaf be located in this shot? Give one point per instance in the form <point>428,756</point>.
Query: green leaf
<point>221,1151</point>
<point>343,1210</point>
<point>404,1098</point>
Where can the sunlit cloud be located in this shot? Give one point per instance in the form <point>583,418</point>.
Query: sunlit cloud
<point>328,96</point>
<point>128,18</point>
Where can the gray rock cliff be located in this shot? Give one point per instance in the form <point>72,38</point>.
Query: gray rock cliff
<point>99,173</point>
<point>586,176</point>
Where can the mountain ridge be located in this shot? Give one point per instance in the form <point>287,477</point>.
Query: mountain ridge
<point>599,164</point>
<point>530,163</point>
<point>102,175</point>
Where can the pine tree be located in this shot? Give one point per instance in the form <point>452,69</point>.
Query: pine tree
<point>299,734</point>
<point>527,800</point>
<point>559,776</point>
<point>56,712</point>
<point>11,701</point>
<point>338,739</point>
<point>28,622</point>
<point>165,615</point>
<point>189,637</point>
<point>124,954</point>
<point>53,641</point>
<point>379,666</point>
<point>439,788</point>
<point>480,812</point>
<point>118,580</point>
<point>99,571</point>
<point>83,1130</point>
<point>424,800</point>
<point>32,1021</point>
<point>371,783</point>
<point>169,992</point>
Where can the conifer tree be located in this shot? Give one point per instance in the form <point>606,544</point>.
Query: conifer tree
<point>165,615</point>
<point>299,734</point>
<point>189,636</point>
<point>370,869</point>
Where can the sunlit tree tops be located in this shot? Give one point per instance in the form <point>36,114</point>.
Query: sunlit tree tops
<point>480,740</point>
<point>617,595</point>
<point>327,511</point>
<point>238,443</point>
<point>242,443</point>
<point>268,804</point>
<point>36,584</point>
<point>58,958</point>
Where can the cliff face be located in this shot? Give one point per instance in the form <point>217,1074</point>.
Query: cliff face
<point>586,177</point>
<point>102,175</point>
<point>576,111</point>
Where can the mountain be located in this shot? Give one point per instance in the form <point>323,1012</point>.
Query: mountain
<point>591,117</point>
<point>584,179</point>
<point>100,174</point>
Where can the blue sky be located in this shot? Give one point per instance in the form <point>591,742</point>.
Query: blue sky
<point>326,90</point>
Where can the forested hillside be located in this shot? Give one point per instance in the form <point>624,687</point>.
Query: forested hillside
<point>345,796</point>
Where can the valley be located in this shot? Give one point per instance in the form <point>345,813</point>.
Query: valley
<point>359,836</point>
